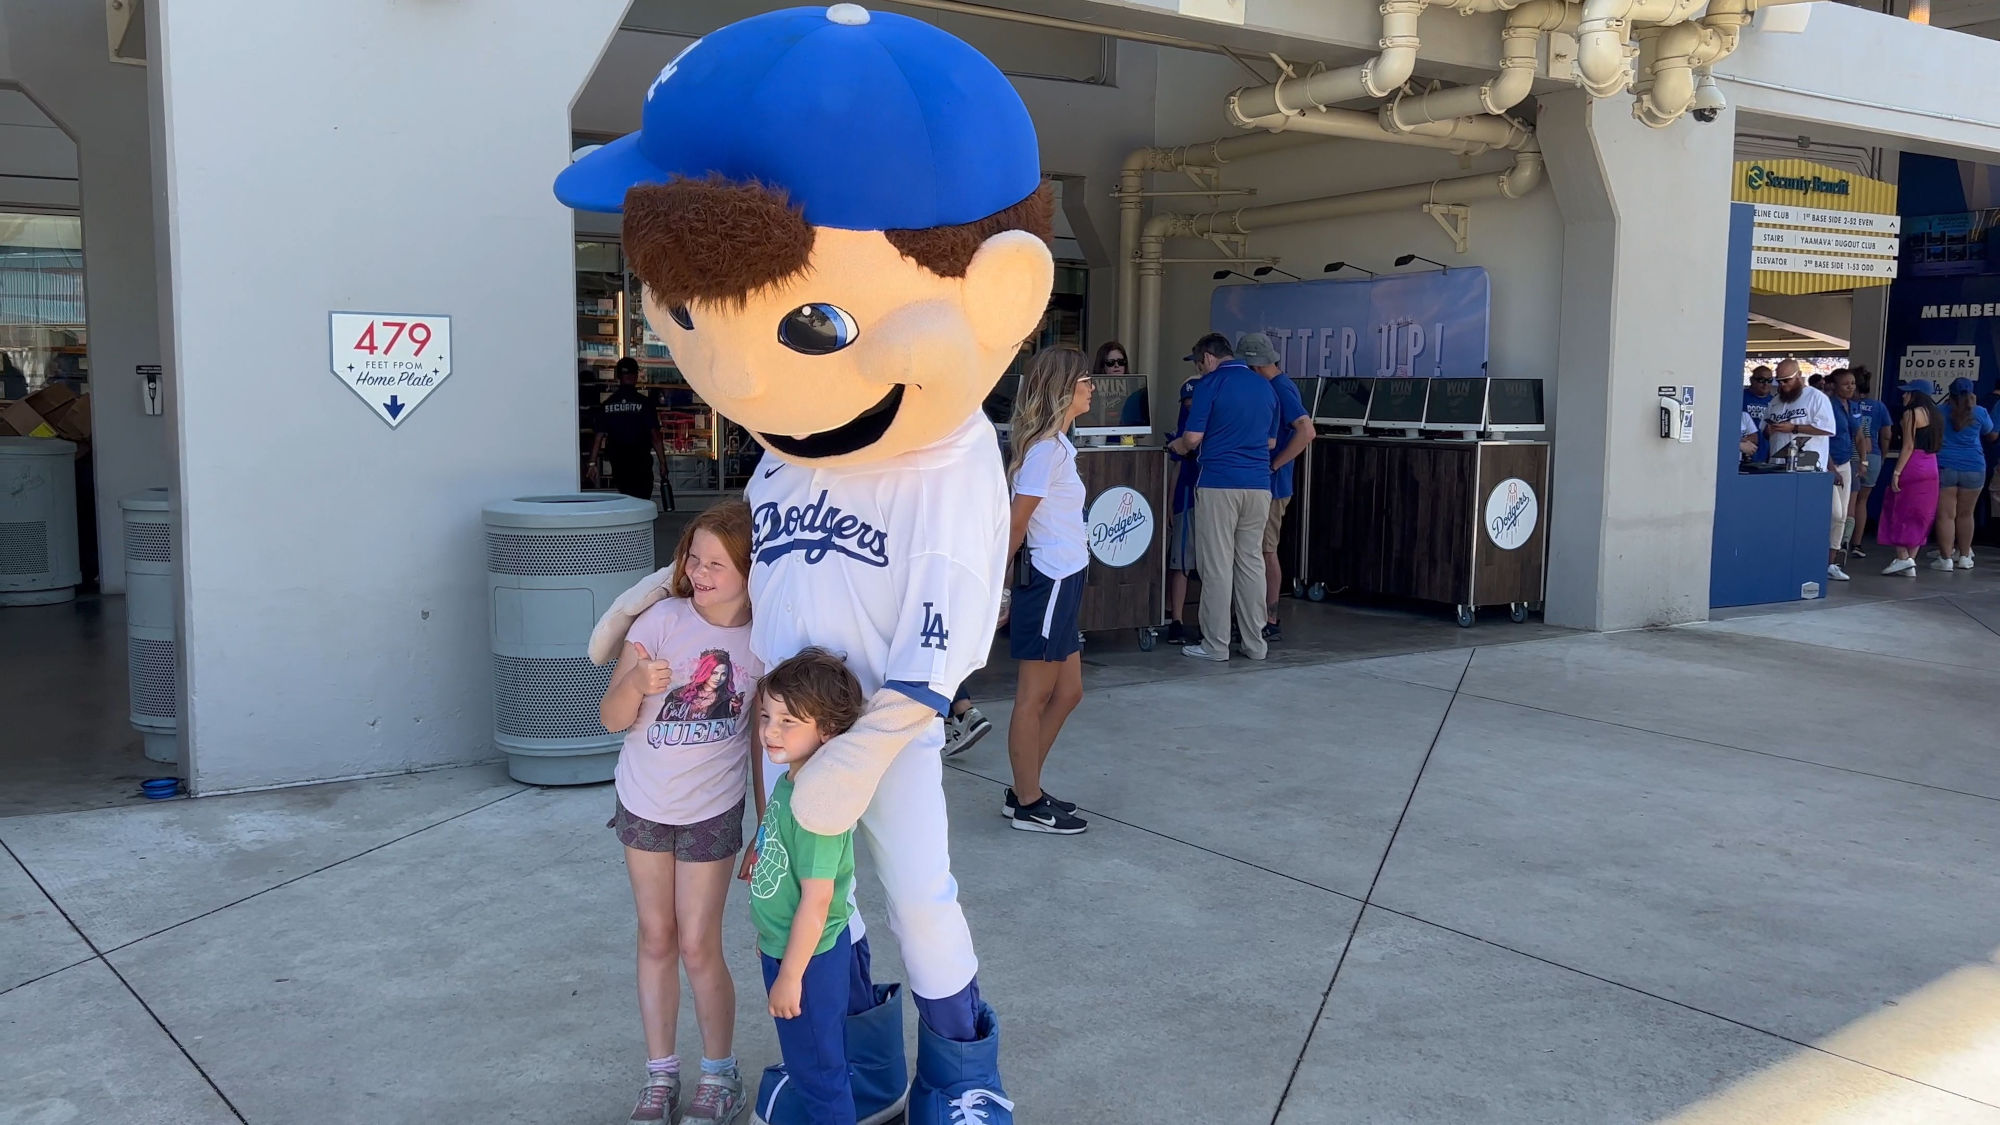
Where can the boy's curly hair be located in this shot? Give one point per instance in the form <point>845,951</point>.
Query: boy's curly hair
<point>817,685</point>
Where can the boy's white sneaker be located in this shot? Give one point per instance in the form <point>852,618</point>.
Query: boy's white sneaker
<point>1834,572</point>
<point>1941,564</point>
<point>1965,561</point>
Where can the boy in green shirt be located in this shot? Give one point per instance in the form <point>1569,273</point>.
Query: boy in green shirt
<point>799,888</point>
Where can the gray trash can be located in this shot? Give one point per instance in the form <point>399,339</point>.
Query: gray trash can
<point>554,564</point>
<point>39,562</point>
<point>150,645</point>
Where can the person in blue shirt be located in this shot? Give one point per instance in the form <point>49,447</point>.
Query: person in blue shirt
<point>1872,427</point>
<point>1841,453</point>
<point>1961,474</point>
<point>1180,532</point>
<point>1756,399</point>
<point>1295,432</point>
<point>1233,422</point>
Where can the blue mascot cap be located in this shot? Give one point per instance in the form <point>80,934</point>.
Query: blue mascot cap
<point>869,120</point>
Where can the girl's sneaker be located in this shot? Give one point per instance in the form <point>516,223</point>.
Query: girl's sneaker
<point>961,731</point>
<point>1901,566</point>
<point>718,1098</point>
<point>659,1102</point>
<point>1941,564</point>
<point>1965,561</point>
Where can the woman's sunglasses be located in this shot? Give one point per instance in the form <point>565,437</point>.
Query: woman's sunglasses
<point>1114,361</point>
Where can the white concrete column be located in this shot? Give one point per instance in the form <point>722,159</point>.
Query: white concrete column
<point>60,56</point>
<point>369,157</point>
<point>1646,233</point>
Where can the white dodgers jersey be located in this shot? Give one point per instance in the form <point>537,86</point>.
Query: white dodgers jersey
<point>896,567</point>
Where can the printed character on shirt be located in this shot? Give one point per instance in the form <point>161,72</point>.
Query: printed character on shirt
<point>687,759</point>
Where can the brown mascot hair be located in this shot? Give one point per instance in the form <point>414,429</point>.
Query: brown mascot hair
<point>721,240</point>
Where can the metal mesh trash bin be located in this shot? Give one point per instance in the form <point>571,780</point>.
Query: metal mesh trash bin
<point>554,564</point>
<point>38,550</point>
<point>150,652</point>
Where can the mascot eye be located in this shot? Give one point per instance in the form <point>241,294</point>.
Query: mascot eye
<point>681,317</point>
<point>818,329</point>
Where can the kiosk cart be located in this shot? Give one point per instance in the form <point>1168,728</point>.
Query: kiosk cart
<point>1458,520</point>
<point>1125,496</point>
<point>1340,408</point>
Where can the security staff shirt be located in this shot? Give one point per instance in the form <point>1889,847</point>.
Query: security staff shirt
<point>628,422</point>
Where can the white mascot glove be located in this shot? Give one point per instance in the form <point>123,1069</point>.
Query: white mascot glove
<point>833,789</point>
<point>608,639</point>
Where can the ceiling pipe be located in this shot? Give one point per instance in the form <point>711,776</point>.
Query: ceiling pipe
<point>1674,61</point>
<point>1525,25</point>
<point>1376,78</point>
<point>1467,136</point>
<point>1603,55</point>
<point>1131,203</point>
<point>1522,177</point>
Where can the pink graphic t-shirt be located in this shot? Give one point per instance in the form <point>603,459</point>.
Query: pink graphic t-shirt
<point>687,757</point>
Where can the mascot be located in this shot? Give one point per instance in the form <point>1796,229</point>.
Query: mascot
<point>839,219</point>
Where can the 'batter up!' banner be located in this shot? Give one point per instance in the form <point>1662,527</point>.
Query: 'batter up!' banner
<point>1423,325</point>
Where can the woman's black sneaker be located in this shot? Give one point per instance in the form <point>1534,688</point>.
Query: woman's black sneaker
<point>1046,816</point>
<point>1012,803</point>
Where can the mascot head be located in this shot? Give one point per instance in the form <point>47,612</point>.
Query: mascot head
<point>839,219</point>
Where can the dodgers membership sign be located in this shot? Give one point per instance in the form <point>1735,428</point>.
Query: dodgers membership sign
<point>392,360</point>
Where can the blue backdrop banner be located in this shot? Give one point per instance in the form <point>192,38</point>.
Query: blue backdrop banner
<point>1427,325</point>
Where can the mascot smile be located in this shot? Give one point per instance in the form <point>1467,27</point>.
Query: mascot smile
<point>841,226</point>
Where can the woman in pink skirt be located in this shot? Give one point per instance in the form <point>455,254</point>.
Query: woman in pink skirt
<point>1912,500</point>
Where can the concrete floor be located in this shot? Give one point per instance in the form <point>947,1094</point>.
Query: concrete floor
<point>1738,872</point>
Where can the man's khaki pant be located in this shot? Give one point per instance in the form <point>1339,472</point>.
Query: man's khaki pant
<point>1229,542</point>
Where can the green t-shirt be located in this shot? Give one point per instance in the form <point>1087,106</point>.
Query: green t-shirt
<point>787,853</point>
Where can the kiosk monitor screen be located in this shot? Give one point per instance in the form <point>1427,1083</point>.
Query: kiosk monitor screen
<point>999,404</point>
<point>1398,404</point>
<point>1456,405</point>
<point>1308,392</point>
<point>1514,404</point>
<point>1343,402</point>
<point>1118,406</point>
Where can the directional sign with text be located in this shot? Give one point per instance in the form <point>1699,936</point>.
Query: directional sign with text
<point>392,360</point>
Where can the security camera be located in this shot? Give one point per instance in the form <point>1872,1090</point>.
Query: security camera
<point>1708,100</point>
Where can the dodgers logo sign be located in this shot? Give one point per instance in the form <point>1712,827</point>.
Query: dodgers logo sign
<point>1120,523</point>
<point>1511,510</point>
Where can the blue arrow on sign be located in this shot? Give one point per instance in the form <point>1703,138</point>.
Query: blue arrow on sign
<point>394,406</point>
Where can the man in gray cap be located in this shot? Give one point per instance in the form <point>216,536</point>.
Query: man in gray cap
<point>1295,432</point>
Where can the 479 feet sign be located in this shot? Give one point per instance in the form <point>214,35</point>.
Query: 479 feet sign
<point>392,360</point>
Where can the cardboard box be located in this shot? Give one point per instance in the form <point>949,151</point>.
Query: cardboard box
<point>50,400</point>
<point>18,419</point>
<point>71,419</point>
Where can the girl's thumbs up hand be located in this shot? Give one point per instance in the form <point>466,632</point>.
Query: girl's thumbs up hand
<point>652,676</point>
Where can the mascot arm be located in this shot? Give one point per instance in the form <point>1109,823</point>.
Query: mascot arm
<point>608,639</point>
<point>834,788</point>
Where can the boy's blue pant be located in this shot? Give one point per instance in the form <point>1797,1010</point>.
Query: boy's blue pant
<point>814,1043</point>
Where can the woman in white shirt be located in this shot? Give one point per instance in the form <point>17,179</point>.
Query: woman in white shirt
<point>1048,590</point>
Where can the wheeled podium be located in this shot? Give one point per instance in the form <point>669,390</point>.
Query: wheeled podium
<point>1456,519</point>
<point>1125,498</point>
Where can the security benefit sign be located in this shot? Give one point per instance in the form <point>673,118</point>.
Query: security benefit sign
<point>1818,228</point>
<point>1430,325</point>
<point>392,360</point>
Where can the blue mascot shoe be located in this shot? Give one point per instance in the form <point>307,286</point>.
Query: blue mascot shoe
<point>875,1059</point>
<point>876,1065</point>
<point>959,1083</point>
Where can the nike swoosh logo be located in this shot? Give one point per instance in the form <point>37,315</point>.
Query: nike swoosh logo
<point>772,469</point>
<point>1046,821</point>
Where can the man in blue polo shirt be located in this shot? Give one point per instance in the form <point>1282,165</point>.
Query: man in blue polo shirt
<point>1233,426</point>
<point>1295,430</point>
